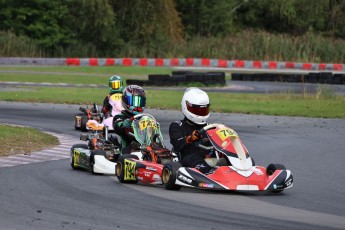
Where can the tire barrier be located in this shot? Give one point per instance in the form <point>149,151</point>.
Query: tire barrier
<point>205,62</point>
<point>177,62</point>
<point>181,77</point>
<point>321,77</point>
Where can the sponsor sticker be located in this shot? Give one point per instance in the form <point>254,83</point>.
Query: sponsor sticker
<point>156,177</point>
<point>204,185</point>
<point>288,182</point>
<point>258,172</point>
<point>184,179</point>
<point>151,168</point>
<point>147,174</point>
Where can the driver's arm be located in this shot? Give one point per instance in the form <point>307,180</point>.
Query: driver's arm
<point>177,138</point>
<point>118,125</point>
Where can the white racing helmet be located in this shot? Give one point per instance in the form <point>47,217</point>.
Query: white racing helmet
<point>195,105</point>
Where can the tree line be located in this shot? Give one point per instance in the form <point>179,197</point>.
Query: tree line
<point>109,28</point>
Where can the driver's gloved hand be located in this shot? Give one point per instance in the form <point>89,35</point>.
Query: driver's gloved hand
<point>127,123</point>
<point>196,135</point>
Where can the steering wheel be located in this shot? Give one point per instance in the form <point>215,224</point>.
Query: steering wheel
<point>203,132</point>
<point>138,116</point>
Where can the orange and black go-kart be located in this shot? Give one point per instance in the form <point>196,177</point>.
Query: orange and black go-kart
<point>233,169</point>
<point>81,119</point>
<point>149,154</point>
<point>100,153</point>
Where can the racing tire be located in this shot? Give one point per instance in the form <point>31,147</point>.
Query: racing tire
<point>84,120</point>
<point>92,158</point>
<point>169,174</point>
<point>120,169</point>
<point>83,146</point>
<point>75,120</point>
<point>271,168</point>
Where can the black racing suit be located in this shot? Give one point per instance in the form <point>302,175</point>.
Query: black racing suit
<point>191,155</point>
<point>122,131</point>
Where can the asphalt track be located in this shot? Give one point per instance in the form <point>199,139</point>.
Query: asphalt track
<point>50,195</point>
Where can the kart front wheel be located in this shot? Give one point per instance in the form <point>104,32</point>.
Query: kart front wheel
<point>125,169</point>
<point>169,175</point>
<point>271,168</point>
<point>72,154</point>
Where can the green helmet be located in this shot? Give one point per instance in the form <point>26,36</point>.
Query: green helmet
<point>115,84</point>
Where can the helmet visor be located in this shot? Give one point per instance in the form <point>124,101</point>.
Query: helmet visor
<point>136,101</point>
<point>115,84</point>
<point>199,110</point>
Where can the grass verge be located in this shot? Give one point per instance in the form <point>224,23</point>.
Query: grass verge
<point>21,140</point>
<point>324,105</point>
<point>78,75</point>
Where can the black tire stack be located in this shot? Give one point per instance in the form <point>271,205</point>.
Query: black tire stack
<point>181,77</point>
<point>314,77</point>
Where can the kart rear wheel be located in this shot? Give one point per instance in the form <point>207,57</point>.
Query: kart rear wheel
<point>271,168</point>
<point>92,158</point>
<point>82,146</point>
<point>126,174</point>
<point>75,120</point>
<point>169,175</point>
<point>84,120</point>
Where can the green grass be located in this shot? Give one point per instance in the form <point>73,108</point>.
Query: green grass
<point>54,78</point>
<point>319,105</point>
<point>20,140</point>
<point>93,70</point>
<point>77,75</point>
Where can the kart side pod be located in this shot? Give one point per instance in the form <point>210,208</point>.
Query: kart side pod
<point>102,165</point>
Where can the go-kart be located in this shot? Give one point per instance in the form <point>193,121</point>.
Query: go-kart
<point>145,163</point>
<point>234,169</point>
<point>99,154</point>
<point>96,115</point>
<point>81,119</point>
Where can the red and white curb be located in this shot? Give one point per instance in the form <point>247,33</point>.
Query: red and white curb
<point>178,62</point>
<point>62,151</point>
<point>204,62</point>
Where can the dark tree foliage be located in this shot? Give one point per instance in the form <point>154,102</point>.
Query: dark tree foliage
<point>147,21</point>
<point>208,17</point>
<point>105,27</point>
<point>42,20</point>
<point>93,24</point>
<point>294,16</point>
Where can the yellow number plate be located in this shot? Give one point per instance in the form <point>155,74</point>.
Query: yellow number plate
<point>225,133</point>
<point>147,124</point>
<point>129,170</point>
